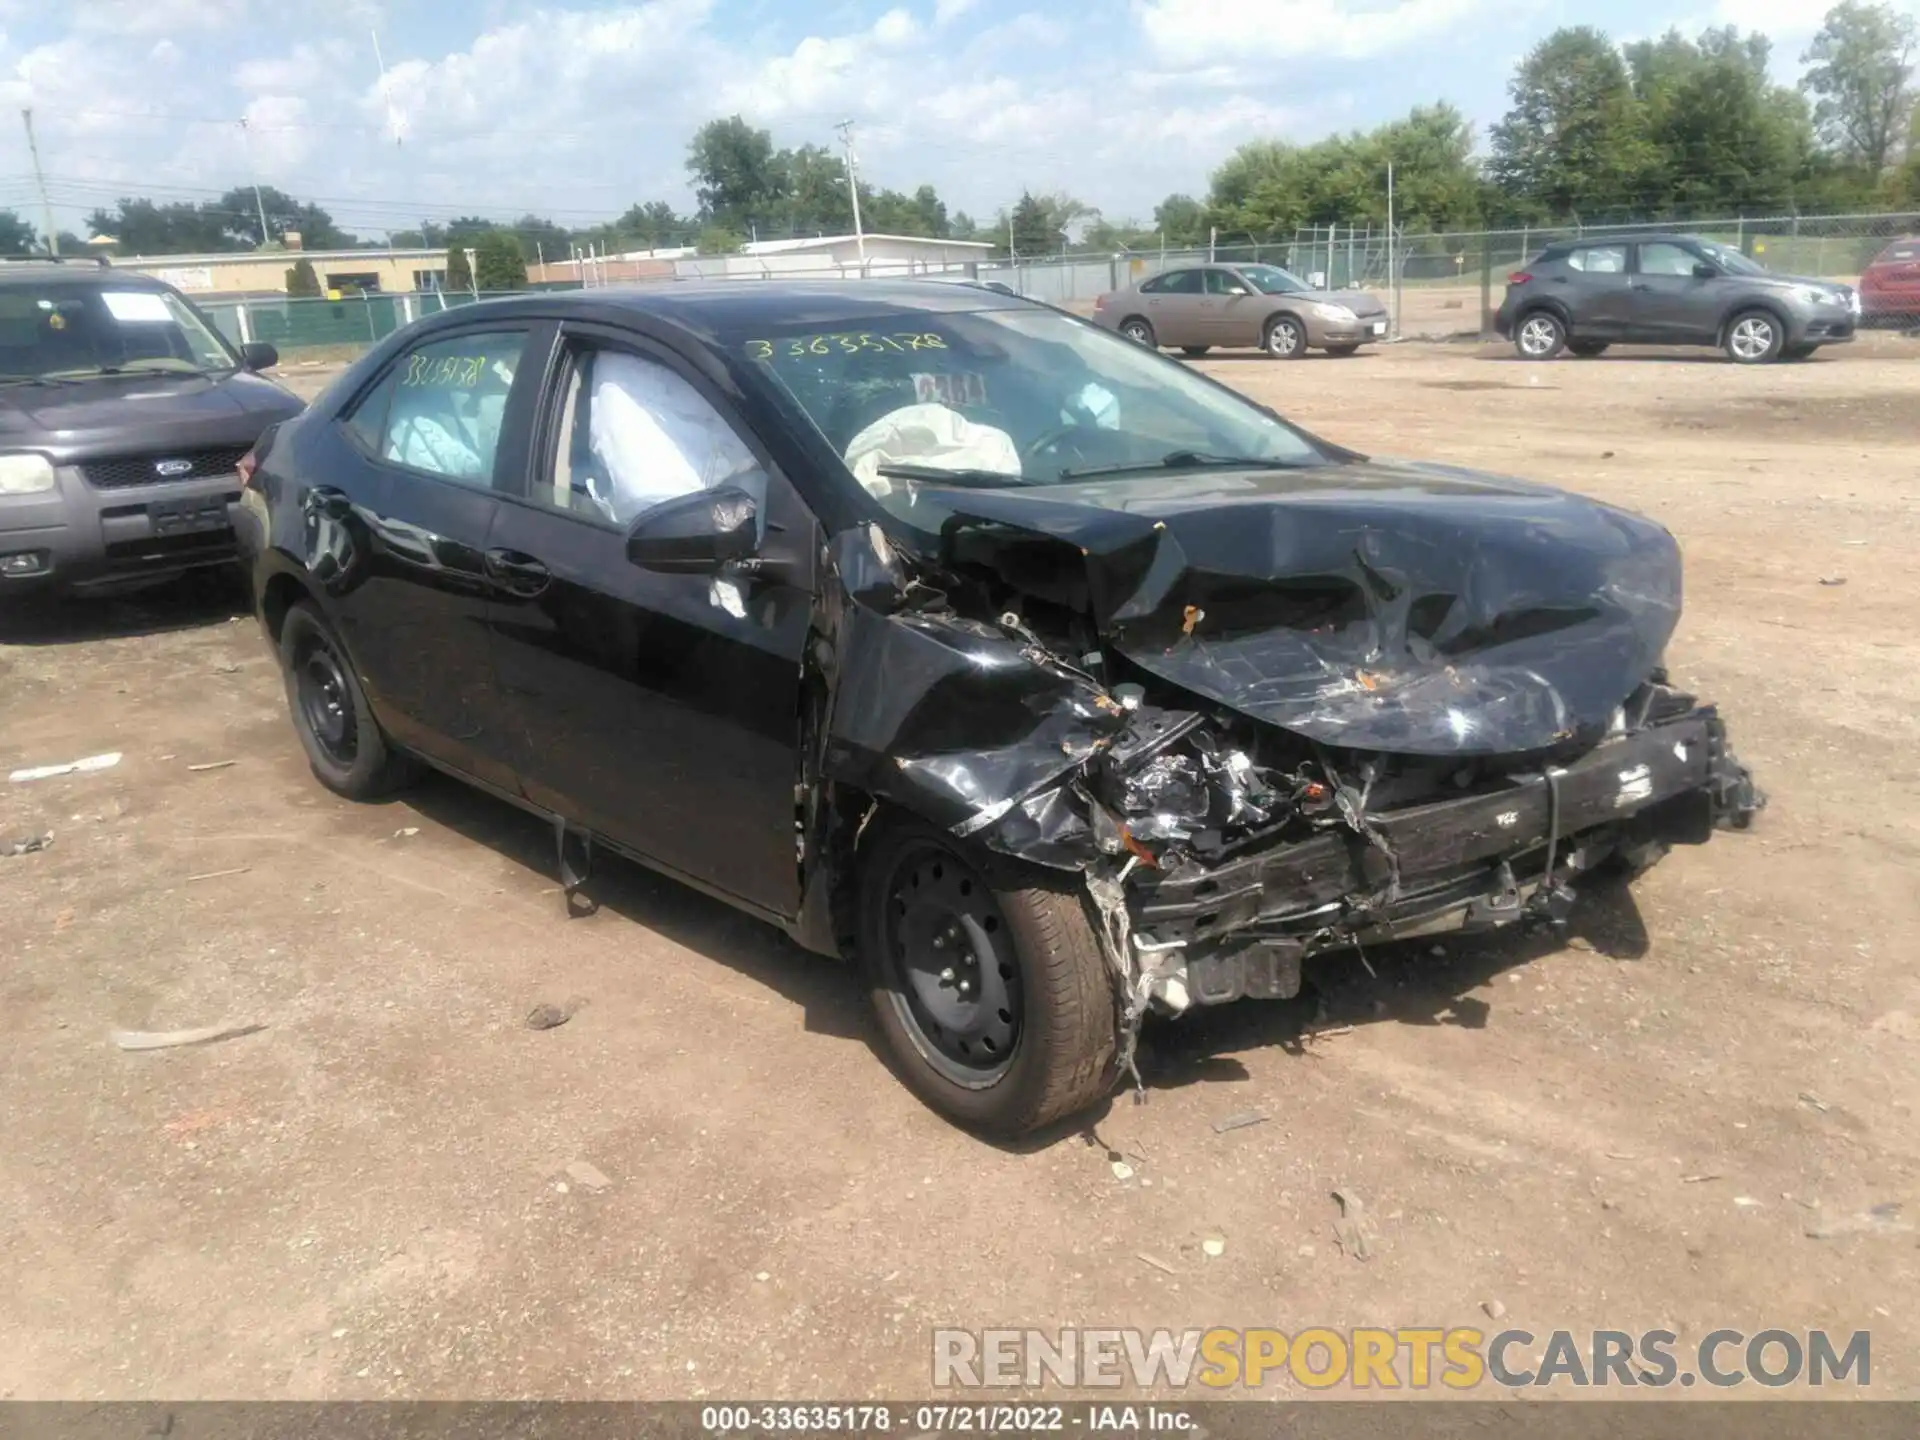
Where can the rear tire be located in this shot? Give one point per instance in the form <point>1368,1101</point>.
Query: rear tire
<point>1754,337</point>
<point>1586,349</point>
<point>344,744</point>
<point>990,990</point>
<point>1138,330</point>
<point>1285,337</point>
<point>1195,351</point>
<point>1540,335</point>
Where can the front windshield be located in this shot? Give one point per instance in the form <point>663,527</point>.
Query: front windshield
<point>1731,260</point>
<point>994,399</point>
<point>1272,280</point>
<point>65,331</point>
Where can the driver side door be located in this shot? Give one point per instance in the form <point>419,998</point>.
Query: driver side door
<point>657,710</point>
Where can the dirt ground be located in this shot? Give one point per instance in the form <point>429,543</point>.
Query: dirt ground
<point>368,1197</point>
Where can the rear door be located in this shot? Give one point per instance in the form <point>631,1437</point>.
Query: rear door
<point>411,499</point>
<point>1669,304</point>
<point>661,711</point>
<point>1594,289</point>
<point>1175,303</point>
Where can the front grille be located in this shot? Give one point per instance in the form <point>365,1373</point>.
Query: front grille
<point>140,469</point>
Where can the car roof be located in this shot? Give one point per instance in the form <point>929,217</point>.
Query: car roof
<point>86,270</point>
<point>752,304</point>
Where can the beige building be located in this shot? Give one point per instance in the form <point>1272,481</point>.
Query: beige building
<point>265,273</point>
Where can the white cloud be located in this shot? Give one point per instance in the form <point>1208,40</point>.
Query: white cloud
<point>945,12</point>
<point>155,17</point>
<point>1190,32</point>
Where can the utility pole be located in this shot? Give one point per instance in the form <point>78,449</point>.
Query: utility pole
<point>1393,275</point>
<point>246,136</point>
<point>845,127</point>
<point>40,181</point>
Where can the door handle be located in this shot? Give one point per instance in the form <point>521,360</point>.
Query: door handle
<point>516,573</point>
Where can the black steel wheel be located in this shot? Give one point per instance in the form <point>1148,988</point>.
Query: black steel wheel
<point>989,987</point>
<point>344,744</point>
<point>956,977</point>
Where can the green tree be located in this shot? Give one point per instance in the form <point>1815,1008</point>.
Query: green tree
<point>1575,142</point>
<point>1725,137</point>
<point>459,273</point>
<point>1180,220</point>
<point>965,227</point>
<point>718,240</point>
<point>236,215</point>
<point>302,283</point>
<point>1032,232</point>
<point>737,176</point>
<point>180,228</point>
<point>17,237</point>
<point>498,262</point>
<point>540,237</point>
<point>1860,71</point>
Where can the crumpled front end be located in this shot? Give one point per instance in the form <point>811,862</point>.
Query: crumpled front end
<point>1261,731</point>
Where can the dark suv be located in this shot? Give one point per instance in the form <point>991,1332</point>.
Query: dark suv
<point>123,416</point>
<point>1584,295</point>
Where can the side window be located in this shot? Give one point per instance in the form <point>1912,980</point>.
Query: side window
<point>1662,258</point>
<point>1181,282</point>
<point>1225,282</point>
<point>1600,259</point>
<point>632,432</point>
<point>1155,286</point>
<point>439,408</point>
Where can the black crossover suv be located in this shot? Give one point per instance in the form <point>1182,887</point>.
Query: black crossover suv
<point>122,416</point>
<point>1057,683</point>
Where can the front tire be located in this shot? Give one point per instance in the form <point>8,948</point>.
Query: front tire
<point>991,991</point>
<point>1139,331</point>
<point>1754,337</point>
<point>1285,338</point>
<point>344,744</point>
<point>1540,336</point>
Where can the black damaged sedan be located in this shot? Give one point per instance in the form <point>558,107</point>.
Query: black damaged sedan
<point>1055,682</point>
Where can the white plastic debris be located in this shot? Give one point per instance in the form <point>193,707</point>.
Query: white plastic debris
<point>72,767</point>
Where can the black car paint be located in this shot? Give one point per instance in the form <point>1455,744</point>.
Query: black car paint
<point>740,752</point>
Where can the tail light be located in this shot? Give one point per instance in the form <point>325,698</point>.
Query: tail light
<point>245,467</point>
<point>1519,277</point>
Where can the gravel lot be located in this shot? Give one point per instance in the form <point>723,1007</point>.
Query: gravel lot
<point>369,1197</point>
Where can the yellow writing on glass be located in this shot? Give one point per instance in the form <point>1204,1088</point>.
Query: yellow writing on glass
<point>800,346</point>
<point>430,370</point>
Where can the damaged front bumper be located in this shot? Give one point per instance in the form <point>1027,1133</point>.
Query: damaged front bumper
<point>1240,926</point>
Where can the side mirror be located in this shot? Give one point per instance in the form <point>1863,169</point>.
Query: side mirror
<point>696,534</point>
<point>258,355</point>
<point>1704,271</point>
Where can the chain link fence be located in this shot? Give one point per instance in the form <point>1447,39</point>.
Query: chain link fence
<point>1440,283</point>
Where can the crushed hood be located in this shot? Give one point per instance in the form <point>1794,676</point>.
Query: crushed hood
<point>1409,608</point>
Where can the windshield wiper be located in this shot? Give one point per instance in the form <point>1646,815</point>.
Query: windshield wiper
<point>961,479</point>
<point>1191,460</point>
<point>40,380</point>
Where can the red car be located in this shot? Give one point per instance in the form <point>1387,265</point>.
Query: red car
<point>1890,286</point>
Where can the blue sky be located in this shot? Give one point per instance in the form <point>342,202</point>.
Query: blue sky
<point>575,110</point>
